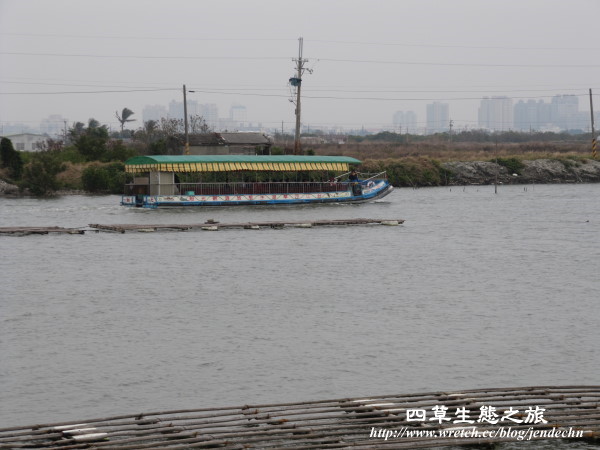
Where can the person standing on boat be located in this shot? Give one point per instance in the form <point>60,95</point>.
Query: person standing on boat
<point>353,177</point>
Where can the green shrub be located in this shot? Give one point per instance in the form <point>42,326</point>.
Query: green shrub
<point>410,172</point>
<point>513,165</point>
<point>570,162</point>
<point>104,179</point>
<point>40,176</point>
<point>71,154</point>
<point>158,147</point>
<point>11,158</point>
<point>117,151</point>
<point>95,179</point>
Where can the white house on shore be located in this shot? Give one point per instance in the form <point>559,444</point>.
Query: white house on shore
<point>27,142</point>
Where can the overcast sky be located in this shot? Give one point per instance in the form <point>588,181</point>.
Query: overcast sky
<point>370,58</point>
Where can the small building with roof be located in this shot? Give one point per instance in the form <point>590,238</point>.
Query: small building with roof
<point>27,142</point>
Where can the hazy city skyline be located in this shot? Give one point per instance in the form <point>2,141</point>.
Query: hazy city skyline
<point>368,59</point>
<point>497,113</point>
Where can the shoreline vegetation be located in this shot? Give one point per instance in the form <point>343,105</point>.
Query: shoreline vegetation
<point>431,163</point>
<point>427,162</point>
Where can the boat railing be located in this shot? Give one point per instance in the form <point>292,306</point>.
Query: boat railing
<point>239,188</point>
<point>371,177</point>
<point>363,176</point>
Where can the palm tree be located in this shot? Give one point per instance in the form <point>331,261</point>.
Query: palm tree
<point>148,132</point>
<point>150,127</point>
<point>124,117</point>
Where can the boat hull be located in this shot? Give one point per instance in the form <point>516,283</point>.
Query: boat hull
<point>370,192</point>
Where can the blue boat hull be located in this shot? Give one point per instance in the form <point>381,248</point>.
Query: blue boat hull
<point>368,192</point>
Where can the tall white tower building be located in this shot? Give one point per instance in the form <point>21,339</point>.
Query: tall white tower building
<point>496,113</point>
<point>438,117</point>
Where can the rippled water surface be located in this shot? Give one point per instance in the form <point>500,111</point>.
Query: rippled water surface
<point>475,290</point>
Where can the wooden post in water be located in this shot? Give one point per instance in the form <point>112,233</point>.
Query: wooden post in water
<point>496,178</point>
<point>594,154</point>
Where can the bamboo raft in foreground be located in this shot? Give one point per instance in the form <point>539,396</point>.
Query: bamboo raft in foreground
<point>212,225</point>
<point>39,230</point>
<point>341,423</point>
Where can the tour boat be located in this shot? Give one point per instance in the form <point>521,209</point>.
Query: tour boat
<point>220,180</point>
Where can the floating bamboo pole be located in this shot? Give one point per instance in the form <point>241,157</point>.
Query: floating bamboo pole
<point>346,422</point>
<point>212,225</point>
<point>39,230</point>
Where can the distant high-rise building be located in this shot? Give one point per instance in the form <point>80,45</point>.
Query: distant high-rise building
<point>210,114</point>
<point>496,113</point>
<point>405,121</point>
<point>438,117</point>
<point>564,111</point>
<point>238,115</point>
<point>153,112</point>
<point>544,114</point>
<point>176,109</point>
<point>54,125</point>
<point>530,115</point>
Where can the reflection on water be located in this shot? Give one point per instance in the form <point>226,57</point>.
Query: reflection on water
<point>474,290</point>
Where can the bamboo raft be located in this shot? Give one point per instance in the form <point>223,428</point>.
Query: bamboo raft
<point>23,231</point>
<point>212,225</point>
<point>340,423</point>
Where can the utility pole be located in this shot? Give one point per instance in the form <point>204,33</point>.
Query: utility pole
<point>185,123</point>
<point>594,153</point>
<point>450,133</point>
<point>297,83</point>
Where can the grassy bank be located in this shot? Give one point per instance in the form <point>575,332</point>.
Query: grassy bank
<point>407,164</point>
<point>444,151</point>
<point>423,163</point>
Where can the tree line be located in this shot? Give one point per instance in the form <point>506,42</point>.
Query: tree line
<point>93,148</point>
<point>99,154</point>
<point>480,136</point>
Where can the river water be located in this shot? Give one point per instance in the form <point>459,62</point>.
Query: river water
<point>474,290</point>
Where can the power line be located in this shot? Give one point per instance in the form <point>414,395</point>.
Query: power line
<point>484,89</point>
<point>325,41</point>
<point>210,91</point>
<point>71,84</point>
<point>315,88</point>
<point>86,55</point>
<point>275,58</point>
<point>446,46</point>
<point>371,61</point>
<point>85,92</point>
<point>153,38</point>
<point>326,97</point>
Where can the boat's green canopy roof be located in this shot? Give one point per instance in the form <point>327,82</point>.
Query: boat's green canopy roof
<point>229,163</point>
